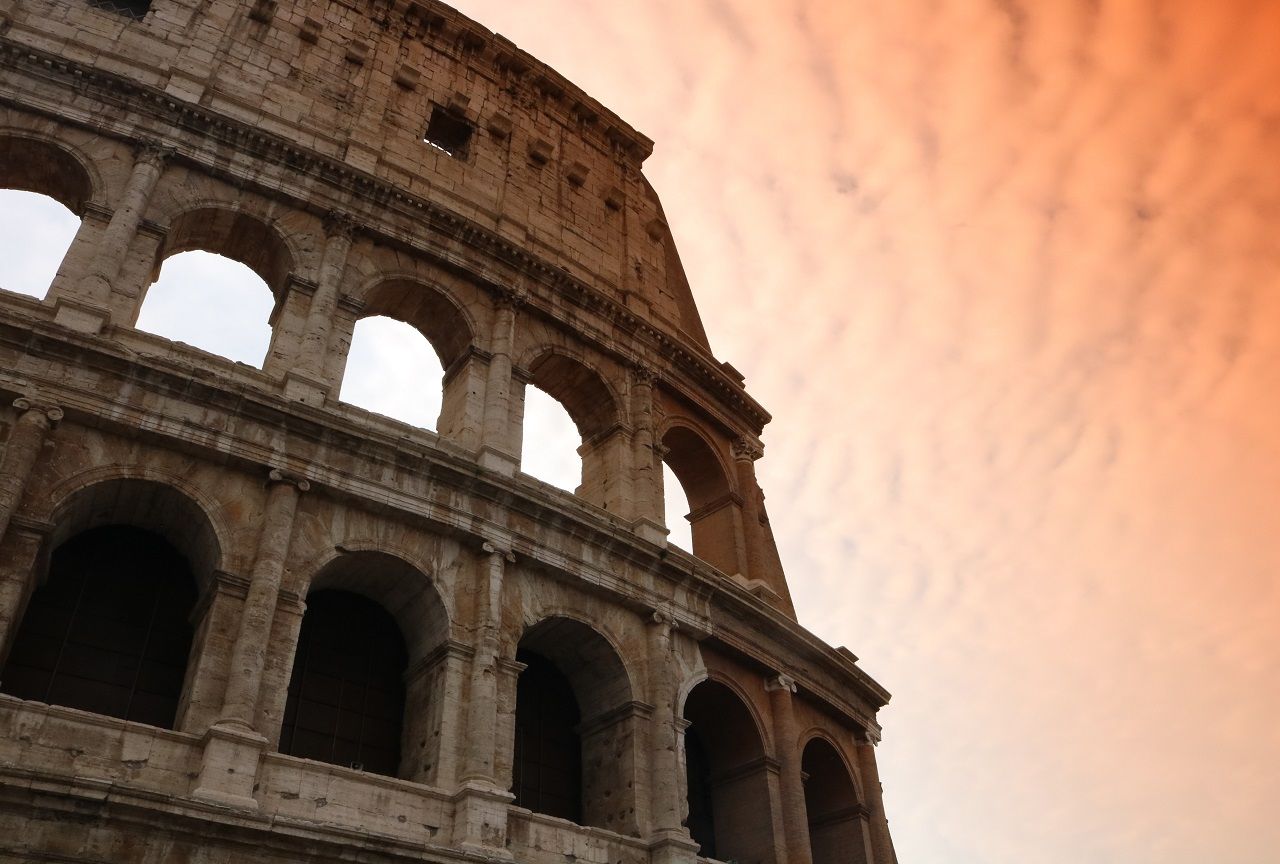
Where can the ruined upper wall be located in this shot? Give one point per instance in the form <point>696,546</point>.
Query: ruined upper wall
<point>546,166</point>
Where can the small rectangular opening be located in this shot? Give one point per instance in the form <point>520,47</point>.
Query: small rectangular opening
<point>132,9</point>
<point>449,131</point>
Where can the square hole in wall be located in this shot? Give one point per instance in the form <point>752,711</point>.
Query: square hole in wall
<point>135,9</point>
<point>449,131</point>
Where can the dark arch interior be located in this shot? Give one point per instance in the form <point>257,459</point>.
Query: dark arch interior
<point>547,771</point>
<point>29,165</point>
<point>109,631</point>
<point>835,824</point>
<point>346,696</point>
<point>727,777</point>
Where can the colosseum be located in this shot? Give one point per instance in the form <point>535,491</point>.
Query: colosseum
<point>242,620</point>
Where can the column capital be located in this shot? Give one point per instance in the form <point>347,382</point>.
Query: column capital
<point>866,735</point>
<point>25,404</point>
<point>746,449</point>
<point>339,224</point>
<point>645,376</point>
<point>779,683</point>
<point>492,549</point>
<point>510,298</point>
<point>153,153</point>
<point>278,475</point>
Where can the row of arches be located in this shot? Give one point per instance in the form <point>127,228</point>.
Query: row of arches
<point>220,281</point>
<point>113,629</point>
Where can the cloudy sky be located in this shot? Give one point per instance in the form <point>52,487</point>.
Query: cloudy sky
<point>1008,276</point>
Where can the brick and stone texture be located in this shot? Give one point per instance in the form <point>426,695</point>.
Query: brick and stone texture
<point>527,247</point>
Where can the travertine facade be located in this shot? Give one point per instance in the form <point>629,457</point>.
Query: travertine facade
<point>564,686</point>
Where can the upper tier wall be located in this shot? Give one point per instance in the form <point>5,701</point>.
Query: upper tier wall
<point>547,167</point>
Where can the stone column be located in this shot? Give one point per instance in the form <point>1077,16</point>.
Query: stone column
<point>881,842</point>
<point>669,839</point>
<point>762,558</point>
<point>497,449</point>
<point>248,654</point>
<point>480,820</point>
<point>19,555</point>
<point>306,381</point>
<point>232,746</point>
<point>482,713</point>
<point>21,451</point>
<point>795,815</point>
<point>650,515</point>
<point>664,764</point>
<point>88,311</point>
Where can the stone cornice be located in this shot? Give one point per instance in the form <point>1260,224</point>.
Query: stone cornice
<point>703,370</point>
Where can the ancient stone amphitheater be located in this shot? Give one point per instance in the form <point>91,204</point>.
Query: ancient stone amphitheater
<point>243,621</point>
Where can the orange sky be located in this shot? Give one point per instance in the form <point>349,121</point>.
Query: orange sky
<point>1008,276</point>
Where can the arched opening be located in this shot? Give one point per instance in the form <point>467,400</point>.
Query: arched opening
<point>43,194</point>
<point>676,510</point>
<point>346,696</point>
<point>597,439</point>
<point>211,303</point>
<point>713,510</point>
<point>575,755</point>
<point>726,772</point>
<point>364,688</point>
<point>835,823</point>
<point>393,370</point>
<point>547,768</point>
<point>109,631</point>
<point>216,279</point>
<point>551,440</point>
<point>410,358</point>
<point>38,232</point>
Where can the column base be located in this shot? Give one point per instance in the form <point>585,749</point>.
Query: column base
<point>647,529</point>
<point>81,316</point>
<point>301,387</point>
<point>229,767</point>
<point>672,847</point>
<point>495,460</point>
<point>480,819</point>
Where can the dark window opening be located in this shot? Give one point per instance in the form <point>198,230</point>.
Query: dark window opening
<point>449,131</point>
<point>346,696</point>
<point>134,9</point>
<point>700,822</point>
<point>108,632</point>
<point>547,773</point>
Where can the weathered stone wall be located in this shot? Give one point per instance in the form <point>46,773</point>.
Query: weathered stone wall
<point>290,137</point>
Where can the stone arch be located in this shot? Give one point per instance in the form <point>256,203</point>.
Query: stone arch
<point>592,402</point>
<point>430,308</point>
<point>120,540</point>
<point>595,407</point>
<point>163,503</point>
<point>36,164</point>
<point>714,506</point>
<point>833,807</point>
<point>254,241</point>
<point>399,586</point>
<point>727,772</point>
<point>443,321</point>
<point>57,184</point>
<point>391,579</point>
<point>577,726</point>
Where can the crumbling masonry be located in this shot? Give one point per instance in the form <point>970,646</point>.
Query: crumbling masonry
<point>243,621</point>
